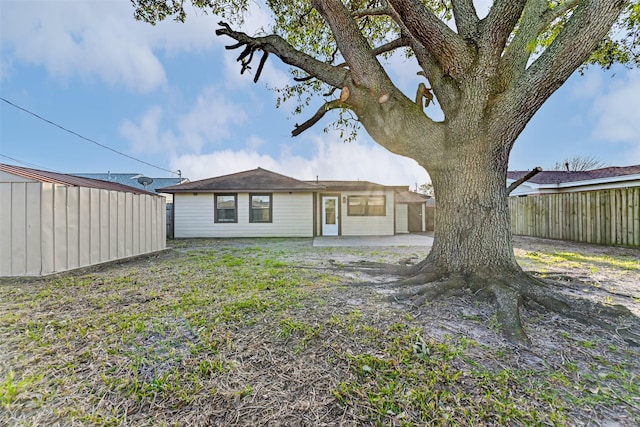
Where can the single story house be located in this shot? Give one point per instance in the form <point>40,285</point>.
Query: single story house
<point>552,182</point>
<point>53,222</point>
<point>261,203</point>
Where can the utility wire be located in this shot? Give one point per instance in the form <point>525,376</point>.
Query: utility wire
<point>84,137</point>
<point>33,165</point>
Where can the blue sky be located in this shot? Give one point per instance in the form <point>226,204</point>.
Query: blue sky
<point>172,96</point>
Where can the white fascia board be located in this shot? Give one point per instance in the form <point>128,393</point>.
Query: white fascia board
<point>609,180</point>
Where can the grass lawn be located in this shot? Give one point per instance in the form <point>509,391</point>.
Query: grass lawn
<point>273,332</point>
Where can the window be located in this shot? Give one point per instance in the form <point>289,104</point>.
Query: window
<point>366,206</point>
<point>260,208</point>
<point>226,207</point>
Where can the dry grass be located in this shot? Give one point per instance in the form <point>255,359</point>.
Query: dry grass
<point>269,332</point>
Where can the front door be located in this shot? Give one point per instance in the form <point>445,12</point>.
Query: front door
<point>330,216</point>
<point>415,217</point>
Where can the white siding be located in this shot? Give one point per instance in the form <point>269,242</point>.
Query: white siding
<point>402,218</point>
<point>292,216</point>
<point>368,225</point>
<point>48,228</point>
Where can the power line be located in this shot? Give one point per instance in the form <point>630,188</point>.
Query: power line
<point>33,165</point>
<point>84,137</point>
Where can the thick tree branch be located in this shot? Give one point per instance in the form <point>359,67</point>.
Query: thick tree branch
<point>552,14</point>
<point>333,76</point>
<point>527,177</point>
<point>496,28</point>
<point>448,48</point>
<point>536,18</point>
<point>466,17</point>
<point>365,70</point>
<point>588,25</point>
<point>385,48</point>
<point>331,105</point>
<point>443,86</point>
<point>375,11</point>
<point>392,45</point>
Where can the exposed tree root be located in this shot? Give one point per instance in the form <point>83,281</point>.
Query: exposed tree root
<point>509,290</point>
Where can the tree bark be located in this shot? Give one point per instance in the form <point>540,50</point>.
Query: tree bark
<point>473,231</point>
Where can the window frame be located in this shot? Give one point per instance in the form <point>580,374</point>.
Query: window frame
<point>367,210</point>
<point>251,219</point>
<point>235,208</point>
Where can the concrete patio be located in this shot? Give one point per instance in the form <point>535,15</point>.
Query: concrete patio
<point>397,240</point>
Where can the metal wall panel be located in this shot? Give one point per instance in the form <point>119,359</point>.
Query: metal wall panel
<point>5,228</point>
<point>34,249</point>
<point>48,228</point>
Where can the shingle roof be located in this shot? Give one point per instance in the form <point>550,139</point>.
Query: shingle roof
<point>131,180</point>
<point>252,180</point>
<point>66,179</point>
<point>357,186</point>
<point>410,197</point>
<point>558,177</point>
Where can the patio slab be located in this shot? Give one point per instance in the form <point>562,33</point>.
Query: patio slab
<point>361,241</point>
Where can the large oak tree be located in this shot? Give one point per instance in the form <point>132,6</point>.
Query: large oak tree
<point>489,76</point>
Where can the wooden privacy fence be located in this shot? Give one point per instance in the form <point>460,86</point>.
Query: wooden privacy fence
<point>608,217</point>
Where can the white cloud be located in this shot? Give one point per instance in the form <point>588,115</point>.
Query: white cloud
<point>144,136</point>
<point>617,112</point>
<point>588,86</point>
<point>208,122</point>
<point>332,159</point>
<point>98,39</point>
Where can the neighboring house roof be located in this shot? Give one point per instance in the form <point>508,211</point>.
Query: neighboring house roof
<point>252,180</point>
<point>562,181</point>
<point>559,177</point>
<point>67,179</point>
<point>131,180</point>
<point>410,197</point>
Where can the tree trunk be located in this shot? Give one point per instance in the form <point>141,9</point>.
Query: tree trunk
<point>473,249</point>
<point>473,232</point>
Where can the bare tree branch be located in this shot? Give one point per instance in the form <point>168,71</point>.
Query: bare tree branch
<point>515,184</point>
<point>333,76</point>
<point>331,105</point>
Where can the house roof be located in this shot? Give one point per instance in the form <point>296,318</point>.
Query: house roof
<point>131,180</point>
<point>357,186</point>
<point>410,197</point>
<point>559,177</point>
<point>67,179</point>
<point>252,180</point>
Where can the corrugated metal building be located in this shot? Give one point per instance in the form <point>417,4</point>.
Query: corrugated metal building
<point>52,222</point>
